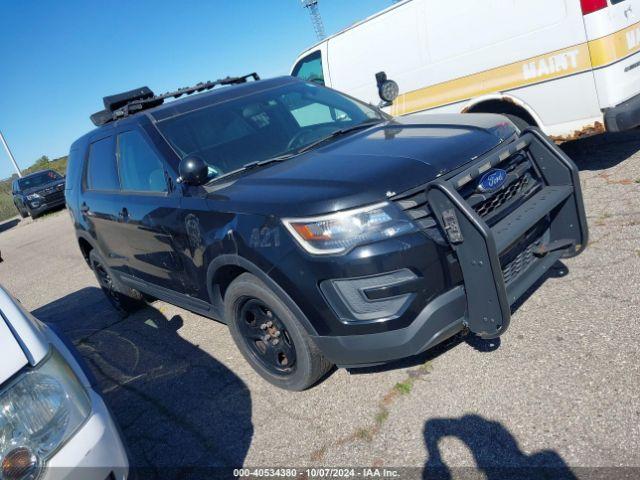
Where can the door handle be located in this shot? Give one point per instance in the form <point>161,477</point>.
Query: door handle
<point>84,208</point>
<point>124,213</point>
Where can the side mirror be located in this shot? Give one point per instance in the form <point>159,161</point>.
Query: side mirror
<point>193,170</point>
<point>388,90</point>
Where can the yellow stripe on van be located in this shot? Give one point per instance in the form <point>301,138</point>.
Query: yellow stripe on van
<point>554,65</point>
<point>614,47</point>
<point>528,72</point>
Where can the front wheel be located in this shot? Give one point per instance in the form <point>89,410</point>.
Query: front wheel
<point>22,211</point>
<point>269,336</point>
<point>125,300</point>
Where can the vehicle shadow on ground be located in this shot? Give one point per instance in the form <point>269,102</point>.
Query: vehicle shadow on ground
<point>9,224</point>
<point>612,148</point>
<point>183,413</point>
<point>495,450</point>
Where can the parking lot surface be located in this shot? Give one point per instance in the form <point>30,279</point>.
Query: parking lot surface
<point>559,389</point>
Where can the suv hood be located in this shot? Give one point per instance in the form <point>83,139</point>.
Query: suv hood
<point>22,338</point>
<point>13,358</point>
<point>40,188</point>
<point>367,166</point>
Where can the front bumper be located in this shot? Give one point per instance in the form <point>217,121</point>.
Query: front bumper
<point>498,263</point>
<point>43,206</point>
<point>624,116</point>
<point>440,320</point>
<point>94,453</point>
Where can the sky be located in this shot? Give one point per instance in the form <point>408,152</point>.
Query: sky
<point>59,58</point>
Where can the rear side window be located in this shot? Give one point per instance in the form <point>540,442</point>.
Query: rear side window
<point>102,173</point>
<point>310,68</point>
<point>74,166</point>
<point>141,170</point>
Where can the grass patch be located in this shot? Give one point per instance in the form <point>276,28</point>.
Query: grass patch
<point>382,416</point>
<point>7,209</point>
<point>365,434</point>
<point>369,432</point>
<point>404,388</point>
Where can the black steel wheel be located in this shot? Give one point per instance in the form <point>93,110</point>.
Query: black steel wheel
<point>266,337</point>
<point>124,303</point>
<point>270,337</point>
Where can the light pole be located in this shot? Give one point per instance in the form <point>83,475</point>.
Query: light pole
<point>13,160</point>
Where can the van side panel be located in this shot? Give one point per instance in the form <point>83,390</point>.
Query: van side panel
<point>394,42</point>
<point>517,47</point>
<point>444,55</point>
<point>614,35</point>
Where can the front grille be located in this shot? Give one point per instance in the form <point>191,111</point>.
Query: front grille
<point>53,197</point>
<point>522,181</point>
<point>521,263</point>
<point>494,203</point>
<point>416,206</point>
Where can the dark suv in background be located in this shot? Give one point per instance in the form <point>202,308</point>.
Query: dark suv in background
<point>38,192</point>
<point>321,230</point>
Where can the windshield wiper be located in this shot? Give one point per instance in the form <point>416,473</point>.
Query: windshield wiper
<point>252,165</point>
<point>338,133</point>
<point>287,156</point>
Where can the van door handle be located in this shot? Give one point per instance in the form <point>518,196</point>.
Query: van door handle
<point>124,213</point>
<point>84,208</point>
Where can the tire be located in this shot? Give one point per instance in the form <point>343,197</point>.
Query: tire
<point>23,213</point>
<point>294,362</point>
<point>519,122</point>
<point>124,299</point>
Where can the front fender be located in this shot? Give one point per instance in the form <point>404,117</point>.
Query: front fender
<point>245,264</point>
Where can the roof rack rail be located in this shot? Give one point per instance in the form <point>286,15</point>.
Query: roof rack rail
<point>127,103</point>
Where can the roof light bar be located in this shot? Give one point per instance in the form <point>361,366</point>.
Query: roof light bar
<point>123,104</point>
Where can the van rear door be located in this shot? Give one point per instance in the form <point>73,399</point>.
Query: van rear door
<point>613,31</point>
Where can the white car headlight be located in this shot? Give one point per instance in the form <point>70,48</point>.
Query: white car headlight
<point>339,232</point>
<point>39,412</point>
<point>33,196</point>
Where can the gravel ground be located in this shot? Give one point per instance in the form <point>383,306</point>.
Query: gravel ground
<point>560,389</point>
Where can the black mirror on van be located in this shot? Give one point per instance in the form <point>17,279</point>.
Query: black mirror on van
<point>388,90</point>
<point>193,171</point>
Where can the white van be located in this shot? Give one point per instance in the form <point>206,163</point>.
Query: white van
<point>571,67</point>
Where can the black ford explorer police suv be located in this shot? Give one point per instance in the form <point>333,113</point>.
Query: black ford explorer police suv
<point>320,229</point>
<point>38,192</point>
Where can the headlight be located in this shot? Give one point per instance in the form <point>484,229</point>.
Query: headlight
<point>39,412</point>
<point>33,196</point>
<point>341,231</point>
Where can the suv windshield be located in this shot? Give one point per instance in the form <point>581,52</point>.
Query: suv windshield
<point>38,179</point>
<point>264,125</point>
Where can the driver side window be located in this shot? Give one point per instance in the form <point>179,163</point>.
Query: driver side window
<point>139,167</point>
<point>310,68</point>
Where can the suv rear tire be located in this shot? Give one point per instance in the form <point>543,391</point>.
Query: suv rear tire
<point>124,299</point>
<point>270,337</point>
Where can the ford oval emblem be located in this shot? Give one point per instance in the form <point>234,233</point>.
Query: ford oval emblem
<point>492,180</point>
